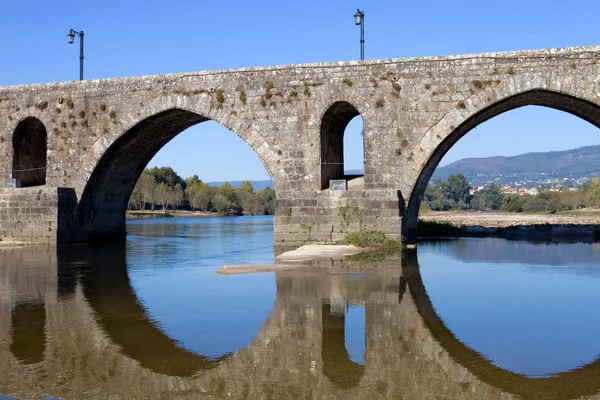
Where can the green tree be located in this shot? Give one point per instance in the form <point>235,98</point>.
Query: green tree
<point>221,204</point>
<point>167,176</point>
<point>247,187</point>
<point>163,194</point>
<point>592,193</point>
<point>267,198</point>
<point>199,195</point>
<point>458,190</point>
<point>176,196</point>
<point>147,187</point>
<point>490,197</point>
<point>512,203</point>
<point>227,191</point>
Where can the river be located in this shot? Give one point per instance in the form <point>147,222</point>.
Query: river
<point>478,318</point>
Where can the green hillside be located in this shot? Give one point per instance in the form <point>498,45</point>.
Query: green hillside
<point>583,162</point>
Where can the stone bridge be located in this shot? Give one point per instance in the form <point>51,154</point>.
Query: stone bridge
<point>61,333</point>
<point>78,148</point>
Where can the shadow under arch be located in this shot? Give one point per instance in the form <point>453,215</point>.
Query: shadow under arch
<point>337,365</point>
<point>101,211</point>
<point>30,148</point>
<point>333,123</point>
<point>581,108</point>
<point>102,272</point>
<point>577,383</point>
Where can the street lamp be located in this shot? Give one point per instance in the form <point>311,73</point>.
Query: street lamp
<point>71,38</point>
<point>359,19</point>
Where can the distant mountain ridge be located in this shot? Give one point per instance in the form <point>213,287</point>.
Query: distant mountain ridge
<point>583,162</point>
<point>580,163</point>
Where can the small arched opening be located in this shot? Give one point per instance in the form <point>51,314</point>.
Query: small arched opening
<point>29,152</point>
<point>342,148</point>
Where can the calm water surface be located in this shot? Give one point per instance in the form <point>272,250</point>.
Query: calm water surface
<point>457,319</point>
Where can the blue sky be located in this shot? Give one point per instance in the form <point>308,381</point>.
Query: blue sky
<point>129,38</point>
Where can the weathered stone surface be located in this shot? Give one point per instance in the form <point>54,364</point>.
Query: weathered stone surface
<point>102,133</point>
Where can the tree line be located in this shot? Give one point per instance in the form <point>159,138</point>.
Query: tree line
<point>162,189</point>
<point>455,194</point>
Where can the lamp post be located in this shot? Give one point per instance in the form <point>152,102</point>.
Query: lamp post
<point>359,19</point>
<point>71,38</point>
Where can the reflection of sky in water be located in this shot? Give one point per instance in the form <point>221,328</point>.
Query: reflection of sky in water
<point>172,263</point>
<point>355,333</point>
<point>535,318</point>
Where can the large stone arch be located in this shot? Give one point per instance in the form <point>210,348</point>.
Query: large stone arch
<point>30,147</point>
<point>440,138</point>
<point>577,383</point>
<point>120,159</point>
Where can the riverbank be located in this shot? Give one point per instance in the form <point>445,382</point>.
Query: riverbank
<point>585,223</point>
<point>169,214</point>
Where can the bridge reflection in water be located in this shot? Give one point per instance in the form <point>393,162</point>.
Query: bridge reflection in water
<point>72,326</point>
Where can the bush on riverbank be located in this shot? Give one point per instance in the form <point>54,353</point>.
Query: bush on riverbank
<point>372,239</point>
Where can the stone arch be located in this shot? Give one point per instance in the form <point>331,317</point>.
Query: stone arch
<point>101,210</point>
<point>446,136</point>
<point>333,123</point>
<point>30,147</point>
<point>577,383</point>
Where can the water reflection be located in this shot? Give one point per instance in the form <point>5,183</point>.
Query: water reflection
<point>28,322</point>
<point>528,307</point>
<point>72,326</point>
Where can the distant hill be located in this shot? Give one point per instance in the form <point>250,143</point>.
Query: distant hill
<point>583,162</point>
<point>534,168</point>
<point>263,184</point>
<point>258,185</point>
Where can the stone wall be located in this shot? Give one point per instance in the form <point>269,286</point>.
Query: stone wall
<point>327,216</point>
<point>41,215</point>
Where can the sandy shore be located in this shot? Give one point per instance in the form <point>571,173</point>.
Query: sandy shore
<point>504,220</point>
<point>168,214</point>
<point>583,225</point>
<point>295,259</point>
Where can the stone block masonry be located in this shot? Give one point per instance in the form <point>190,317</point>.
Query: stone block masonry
<point>37,215</point>
<point>96,137</point>
<point>324,217</point>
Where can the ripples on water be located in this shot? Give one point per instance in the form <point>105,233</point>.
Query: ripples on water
<point>470,318</point>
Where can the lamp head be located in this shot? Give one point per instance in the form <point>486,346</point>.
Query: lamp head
<point>358,17</point>
<point>71,36</point>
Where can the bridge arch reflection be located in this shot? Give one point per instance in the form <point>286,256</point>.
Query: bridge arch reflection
<point>104,278</point>
<point>565,385</point>
<point>409,350</point>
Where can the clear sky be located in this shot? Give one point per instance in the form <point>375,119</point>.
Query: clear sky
<point>129,38</point>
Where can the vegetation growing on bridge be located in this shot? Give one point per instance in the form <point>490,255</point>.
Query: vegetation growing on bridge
<point>163,189</point>
<point>371,239</point>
